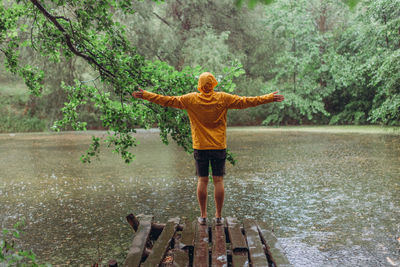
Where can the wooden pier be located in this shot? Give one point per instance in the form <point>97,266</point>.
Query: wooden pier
<point>187,243</point>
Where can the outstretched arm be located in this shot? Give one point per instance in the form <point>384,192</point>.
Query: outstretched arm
<point>241,102</point>
<point>166,101</point>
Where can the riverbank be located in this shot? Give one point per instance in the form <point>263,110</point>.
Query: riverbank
<point>364,129</point>
<point>367,129</point>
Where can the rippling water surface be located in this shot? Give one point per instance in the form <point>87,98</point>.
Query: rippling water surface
<point>333,199</point>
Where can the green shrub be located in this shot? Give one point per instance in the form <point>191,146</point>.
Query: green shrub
<point>11,253</point>
<point>12,122</point>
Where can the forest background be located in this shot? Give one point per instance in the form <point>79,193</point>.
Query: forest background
<point>335,63</point>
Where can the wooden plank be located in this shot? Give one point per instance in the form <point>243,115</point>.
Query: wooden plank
<point>275,252</point>
<point>200,258</point>
<point>256,250</point>
<point>161,244</point>
<point>136,250</point>
<point>133,221</point>
<point>188,235</point>
<point>181,258</point>
<point>183,251</point>
<point>219,257</point>
<point>238,243</point>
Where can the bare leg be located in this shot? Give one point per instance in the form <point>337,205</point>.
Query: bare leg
<point>219,194</point>
<point>202,183</point>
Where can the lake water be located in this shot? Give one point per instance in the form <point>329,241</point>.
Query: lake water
<point>333,199</point>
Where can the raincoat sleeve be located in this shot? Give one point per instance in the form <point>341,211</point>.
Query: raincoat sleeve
<point>166,101</point>
<point>241,102</point>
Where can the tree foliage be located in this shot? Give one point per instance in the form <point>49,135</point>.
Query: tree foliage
<point>334,65</point>
<point>364,62</point>
<point>300,27</point>
<point>11,253</point>
<point>252,3</point>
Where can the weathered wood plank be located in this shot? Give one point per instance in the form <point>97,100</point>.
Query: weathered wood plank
<point>256,250</point>
<point>200,258</point>
<point>218,253</point>
<point>133,221</point>
<point>181,258</point>
<point>238,243</point>
<point>161,244</point>
<point>188,235</point>
<point>183,252</point>
<point>156,230</point>
<point>236,237</point>
<point>275,252</point>
<point>135,252</point>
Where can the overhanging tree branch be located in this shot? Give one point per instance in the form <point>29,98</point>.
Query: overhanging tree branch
<point>68,40</point>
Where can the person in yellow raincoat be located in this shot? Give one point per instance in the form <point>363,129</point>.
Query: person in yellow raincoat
<point>207,112</point>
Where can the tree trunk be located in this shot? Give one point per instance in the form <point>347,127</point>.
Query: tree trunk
<point>386,36</point>
<point>322,28</point>
<point>294,50</point>
<point>295,64</point>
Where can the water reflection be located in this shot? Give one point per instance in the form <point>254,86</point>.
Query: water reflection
<point>333,199</point>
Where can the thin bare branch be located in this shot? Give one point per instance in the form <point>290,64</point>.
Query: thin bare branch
<point>62,17</point>
<point>162,19</point>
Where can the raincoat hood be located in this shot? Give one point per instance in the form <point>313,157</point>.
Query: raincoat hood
<point>207,82</point>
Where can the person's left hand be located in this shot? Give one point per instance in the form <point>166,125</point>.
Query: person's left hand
<point>278,98</point>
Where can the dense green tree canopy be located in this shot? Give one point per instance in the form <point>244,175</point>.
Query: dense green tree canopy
<point>336,66</point>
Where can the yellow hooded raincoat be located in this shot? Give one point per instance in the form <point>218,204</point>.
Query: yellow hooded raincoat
<point>207,110</point>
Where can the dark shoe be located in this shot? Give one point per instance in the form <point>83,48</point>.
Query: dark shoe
<point>219,221</point>
<point>202,221</point>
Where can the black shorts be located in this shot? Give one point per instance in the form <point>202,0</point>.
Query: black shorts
<point>203,158</point>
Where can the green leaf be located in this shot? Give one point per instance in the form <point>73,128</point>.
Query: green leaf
<point>352,3</point>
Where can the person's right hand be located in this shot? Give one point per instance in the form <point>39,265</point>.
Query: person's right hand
<point>278,98</point>
<point>138,94</point>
